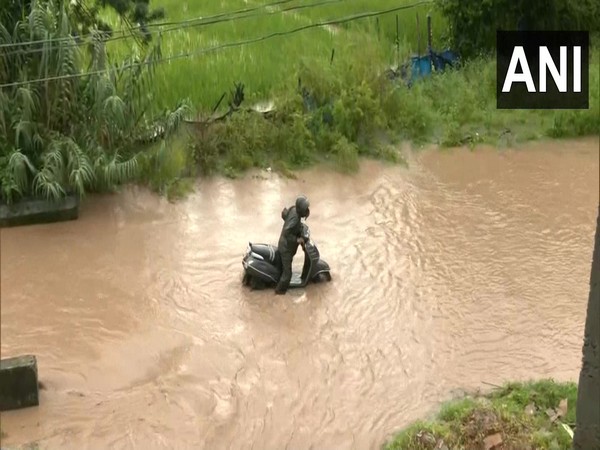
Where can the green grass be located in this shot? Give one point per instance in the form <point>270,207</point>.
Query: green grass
<point>268,67</point>
<point>450,109</point>
<point>459,107</point>
<point>522,414</point>
<point>354,110</point>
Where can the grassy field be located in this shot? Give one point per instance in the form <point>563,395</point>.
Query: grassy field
<point>347,106</point>
<point>453,107</point>
<point>518,416</point>
<point>450,109</point>
<point>269,67</point>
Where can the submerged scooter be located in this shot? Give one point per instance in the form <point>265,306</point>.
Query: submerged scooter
<point>262,265</point>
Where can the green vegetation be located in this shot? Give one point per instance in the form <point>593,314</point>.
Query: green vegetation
<point>538,415</point>
<point>473,25</point>
<point>329,87</point>
<point>70,133</point>
<point>269,68</point>
<point>353,106</point>
<point>350,104</point>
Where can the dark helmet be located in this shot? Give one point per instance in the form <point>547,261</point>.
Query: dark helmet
<point>303,206</point>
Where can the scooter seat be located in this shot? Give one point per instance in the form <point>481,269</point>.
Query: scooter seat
<point>267,252</point>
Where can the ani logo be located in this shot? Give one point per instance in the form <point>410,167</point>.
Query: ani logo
<point>542,70</point>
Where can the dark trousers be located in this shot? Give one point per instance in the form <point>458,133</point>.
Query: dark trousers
<point>286,272</point>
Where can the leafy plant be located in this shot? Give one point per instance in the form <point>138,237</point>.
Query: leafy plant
<point>473,25</point>
<point>77,128</point>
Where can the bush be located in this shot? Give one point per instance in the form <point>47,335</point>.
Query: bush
<point>74,132</point>
<point>473,25</point>
<point>336,114</point>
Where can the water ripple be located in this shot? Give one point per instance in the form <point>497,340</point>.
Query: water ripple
<point>470,267</point>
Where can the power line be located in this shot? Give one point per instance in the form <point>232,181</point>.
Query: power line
<point>239,11</point>
<point>156,24</point>
<point>196,21</point>
<point>227,45</point>
<point>184,24</point>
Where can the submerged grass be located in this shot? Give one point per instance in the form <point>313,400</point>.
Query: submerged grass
<point>518,416</point>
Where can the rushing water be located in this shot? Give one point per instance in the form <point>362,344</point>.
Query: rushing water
<point>464,269</point>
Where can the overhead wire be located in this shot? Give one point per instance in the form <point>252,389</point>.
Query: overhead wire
<point>157,24</point>
<point>226,45</point>
<point>177,25</point>
<point>185,24</point>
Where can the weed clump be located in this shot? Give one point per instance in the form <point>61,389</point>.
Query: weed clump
<point>518,416</point>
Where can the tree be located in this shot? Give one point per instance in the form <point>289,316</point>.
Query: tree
<point>85,15</point>
<point>587,432</point>
<point>472,25</point>
<point>136,15</point>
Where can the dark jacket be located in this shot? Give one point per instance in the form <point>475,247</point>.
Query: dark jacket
<point>291,231</point>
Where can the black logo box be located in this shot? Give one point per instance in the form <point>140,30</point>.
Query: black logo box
<point>531,41</point>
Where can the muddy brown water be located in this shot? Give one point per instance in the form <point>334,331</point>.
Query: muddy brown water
<point>464,269</point>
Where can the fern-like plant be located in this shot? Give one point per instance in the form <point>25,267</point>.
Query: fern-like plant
<point>76,130</point>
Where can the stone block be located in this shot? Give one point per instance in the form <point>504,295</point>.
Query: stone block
<point>30,211</point>
<point>18,382</point>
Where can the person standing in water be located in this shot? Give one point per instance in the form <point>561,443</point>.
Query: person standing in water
<point>290,238</point>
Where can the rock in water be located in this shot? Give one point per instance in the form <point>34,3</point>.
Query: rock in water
<point>18,383</point>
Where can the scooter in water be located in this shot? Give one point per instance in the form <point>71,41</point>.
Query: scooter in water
<point>262,265</point>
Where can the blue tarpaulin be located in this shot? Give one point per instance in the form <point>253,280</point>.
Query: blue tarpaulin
<point>443,59</point>
<point>422,66</point>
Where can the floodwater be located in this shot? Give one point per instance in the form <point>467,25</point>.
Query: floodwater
<point>464,269</point>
